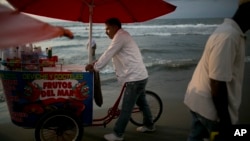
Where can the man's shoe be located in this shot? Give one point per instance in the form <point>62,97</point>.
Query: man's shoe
<point>112,137</point>
<point>143,129</point>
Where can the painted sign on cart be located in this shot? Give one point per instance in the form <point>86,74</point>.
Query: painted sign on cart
<point>30,95</point>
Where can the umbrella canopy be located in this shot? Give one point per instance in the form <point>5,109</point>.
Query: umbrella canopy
<point>95,11</point>
<point>19,29</point>
<point>127,11</point>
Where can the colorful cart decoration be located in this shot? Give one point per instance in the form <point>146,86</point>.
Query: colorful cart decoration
<point>32,95</point>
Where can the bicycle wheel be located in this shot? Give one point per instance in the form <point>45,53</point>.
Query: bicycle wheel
<point>59,126</point>
<point>155,105</point>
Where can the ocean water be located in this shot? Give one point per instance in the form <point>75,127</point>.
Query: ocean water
<point>173,43</point>
<point>167,44</point>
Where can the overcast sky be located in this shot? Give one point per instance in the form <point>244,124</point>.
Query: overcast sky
<point>199,8</point>
<point>203,8</point>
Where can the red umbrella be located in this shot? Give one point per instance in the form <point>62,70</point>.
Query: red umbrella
<point>97,11</point>
<point>19,29</point>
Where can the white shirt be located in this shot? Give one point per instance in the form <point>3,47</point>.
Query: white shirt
<point>126,57</point>
<point>223,60</point>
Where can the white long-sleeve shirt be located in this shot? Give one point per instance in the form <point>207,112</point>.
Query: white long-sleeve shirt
<point>126,57</point>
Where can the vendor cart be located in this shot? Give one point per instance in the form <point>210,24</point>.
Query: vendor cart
<point>62,95</point>
<point>57,100</point>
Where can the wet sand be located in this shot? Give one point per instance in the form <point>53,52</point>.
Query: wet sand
<point>174,124</point>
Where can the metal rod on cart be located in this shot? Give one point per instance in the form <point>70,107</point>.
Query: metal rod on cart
<point>113,112</point>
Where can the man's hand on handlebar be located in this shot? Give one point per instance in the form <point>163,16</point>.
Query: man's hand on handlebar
<point>90,68</point>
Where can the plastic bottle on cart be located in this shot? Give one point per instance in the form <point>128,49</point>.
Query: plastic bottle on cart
<point>1,56</point>
<point>12,53</point>
<point>21,50</point>
<point>49,52</point>
<point>6,54</point>
<point>44,54</point>
<point>28,49</point>
<point>39,51</point>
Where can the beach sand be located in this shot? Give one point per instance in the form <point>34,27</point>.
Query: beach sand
<point>174,124</point>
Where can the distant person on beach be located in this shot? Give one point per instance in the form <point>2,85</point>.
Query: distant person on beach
<point>93,45</point>
<point>130,71</point>
<point>214,92</point>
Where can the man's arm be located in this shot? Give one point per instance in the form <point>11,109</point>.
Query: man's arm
<point>220,99</point>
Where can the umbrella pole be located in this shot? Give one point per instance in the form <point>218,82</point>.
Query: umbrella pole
<point>90,34</point>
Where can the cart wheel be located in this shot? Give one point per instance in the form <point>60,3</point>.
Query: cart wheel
<point>155,106</point>
<point>59,126</point>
